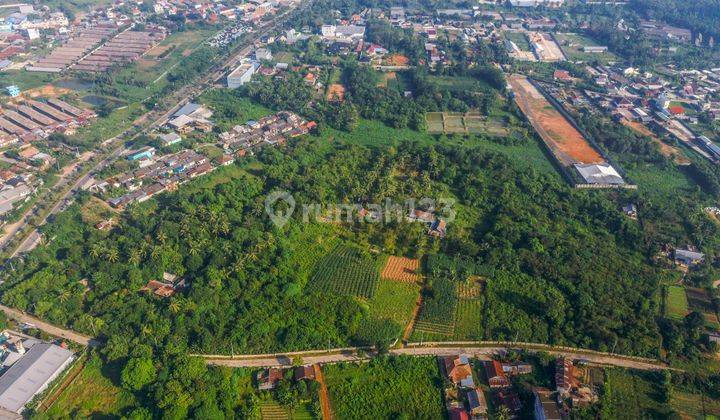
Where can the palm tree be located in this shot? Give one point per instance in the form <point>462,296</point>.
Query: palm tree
<point>174,306</point>
<point>96,250</point>
<point>112,255</point>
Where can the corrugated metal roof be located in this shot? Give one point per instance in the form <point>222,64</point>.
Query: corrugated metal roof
<point>30,375</point>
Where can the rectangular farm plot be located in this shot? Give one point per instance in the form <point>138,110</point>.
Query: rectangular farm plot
<point>436,318</point>
<point>346,271</point>
<point>676,303</point>
<point>394,300</point>
<point>467,123</point>
<point>401,269</point>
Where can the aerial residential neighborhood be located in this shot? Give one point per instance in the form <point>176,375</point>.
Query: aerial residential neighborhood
<point>343,209</point>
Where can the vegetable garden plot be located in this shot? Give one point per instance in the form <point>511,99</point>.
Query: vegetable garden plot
<point>437,314</point>
<point>401,269</point>
<point>346,271</point>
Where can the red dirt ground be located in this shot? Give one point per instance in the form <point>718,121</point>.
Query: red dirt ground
<point>568,145</point>
<point>401,269</point>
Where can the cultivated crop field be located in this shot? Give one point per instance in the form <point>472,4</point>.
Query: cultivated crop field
<point>464,123</point>
<point>401,269</point>
<point>437,314</point>
<point>567,143</point>
<point>699,300</point>
<point>394,300</point>
<point>346,271</point>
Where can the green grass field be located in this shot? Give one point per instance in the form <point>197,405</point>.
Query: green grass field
<point>572,45</point>
<point>230,109</point>
<point>633,395</point>
<point>386,388</point>
<point>346,271</point>
<point>519,39</point>
<point>394,300</point>
<point>676,303</point>
<point>93,394</point>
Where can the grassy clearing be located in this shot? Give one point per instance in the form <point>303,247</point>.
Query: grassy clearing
<point>386,388</point>
<point>92,394</point>
<point>572,45</point>
<point>230,109</point>
<point>394,300</point>
<point>23,79</point>
<point>519,39</point>
<point>676,303</point>
<point>634,395</point>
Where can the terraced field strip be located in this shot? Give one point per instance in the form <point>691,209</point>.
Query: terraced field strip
<point>270,410</point>
<point>346,271</point>
<point>435,328</point>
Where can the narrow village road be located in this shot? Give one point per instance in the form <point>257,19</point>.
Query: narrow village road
<point>435,349</point>
<point>324,397</point>
<point>44,326</point>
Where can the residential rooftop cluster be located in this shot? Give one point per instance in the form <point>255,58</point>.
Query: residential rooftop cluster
<point>30,119</point>
<point>468,382</point>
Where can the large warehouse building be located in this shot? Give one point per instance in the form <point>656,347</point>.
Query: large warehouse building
<point>31,374</point>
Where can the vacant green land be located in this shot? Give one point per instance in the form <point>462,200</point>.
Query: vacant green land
<point>572,45</point>
<point>93,393</point>
<point>676,305</point>
<point>386,388</point>
<point>519,39</point>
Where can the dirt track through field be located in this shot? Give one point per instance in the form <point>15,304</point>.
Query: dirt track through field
<point>409,327</point>
<point>566,142</point>
<point>324,398</point>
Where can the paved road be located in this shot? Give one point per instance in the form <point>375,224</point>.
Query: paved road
<point>12,229</point>
<point>483,353</point>
<point>32,239</point>
<point>44,326</point>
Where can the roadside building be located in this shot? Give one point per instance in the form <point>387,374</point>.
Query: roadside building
<point>32,374</point>
<point>545,407</point>
<point>241,75</point>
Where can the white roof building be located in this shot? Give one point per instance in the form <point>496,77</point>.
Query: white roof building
<point>31,374</point>
<point>599,173</point>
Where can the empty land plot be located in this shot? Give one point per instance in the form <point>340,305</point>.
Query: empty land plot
<point>519,39</point>
<point>401,269</point>
<point>667,150</point>
<point>394,300</point>
<point>545,47</point>
<point>573,45</point>
<point>565,141</point>
<point>346,271</point>
<point>336,92</point>
<point>676,303</point>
